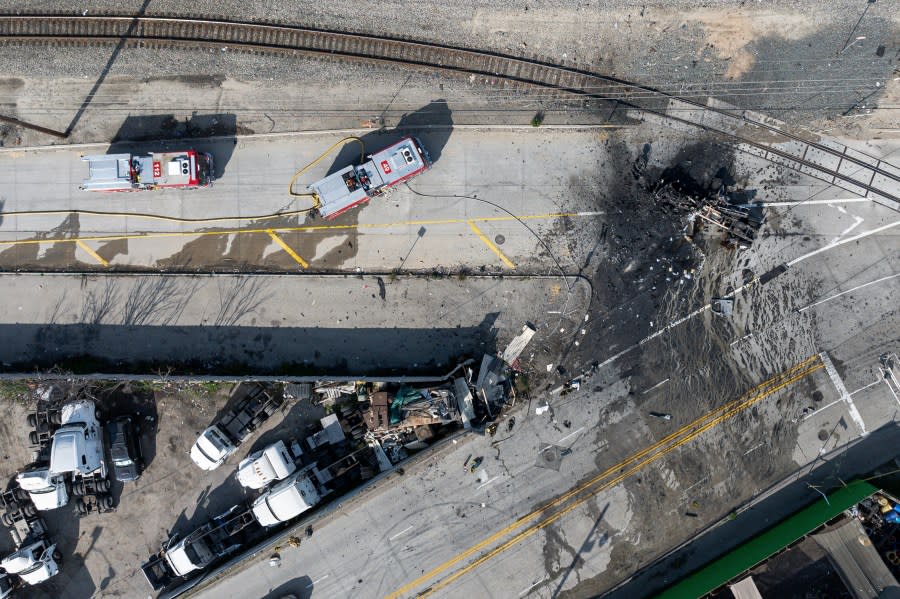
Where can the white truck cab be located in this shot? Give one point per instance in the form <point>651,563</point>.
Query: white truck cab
<point>286,500</point>
<point>32,563</point>
<point>262,467</point>
<point>212,448</point>
<point>189,554</point>
<point>47,491</point>
<point>77,445</point>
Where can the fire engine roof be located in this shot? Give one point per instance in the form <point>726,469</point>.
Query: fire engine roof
<point>108,172</point>
<point>335,195</point>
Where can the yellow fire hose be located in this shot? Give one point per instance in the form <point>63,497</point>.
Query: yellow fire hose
<point>362,156</point>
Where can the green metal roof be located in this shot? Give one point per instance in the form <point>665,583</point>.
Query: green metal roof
<point>757,549</point>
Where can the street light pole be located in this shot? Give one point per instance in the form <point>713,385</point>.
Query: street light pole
<point>852,31</point>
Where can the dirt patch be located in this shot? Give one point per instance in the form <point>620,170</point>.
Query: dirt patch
<point>729,35</point>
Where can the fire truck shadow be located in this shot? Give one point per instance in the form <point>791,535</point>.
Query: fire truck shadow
<point>432,125</point>
<point>301,588</point>
<point>215,134</point>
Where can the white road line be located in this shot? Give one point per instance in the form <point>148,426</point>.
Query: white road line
<point>659,384</point>
<point>810,202</point>
<point>858,287</point>
<point>825,407</point>
<point>401,533</point>
<point>315,582</point>
<point>704,479</point>
<point>897,399</point>
<point>735,293</point>
<point>839,385</point>
<point>487,482</point>
<point>736,341</point>
<point>590,213</point>
<point>843,241</point>
<point>863,388</point>
<point>754,448</point>
<point>569,435</point>
<point>857,221</point>
<point>534,585</point>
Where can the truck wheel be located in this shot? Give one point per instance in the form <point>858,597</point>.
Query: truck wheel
<point>12,507</point>
<point>107,501</point>
<point>21,494</point>
<point>29,511</point>
<point>57,555</point>
<point>32,420</point>
<point>81,508</point>
<point>55,417</point>
<point>33,438</point>
<point>7,520</point>
<point>103,485</point>
<point>43,427</point>
<point>77,488</point>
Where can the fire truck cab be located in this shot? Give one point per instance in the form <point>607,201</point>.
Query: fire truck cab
<point>133,172</point>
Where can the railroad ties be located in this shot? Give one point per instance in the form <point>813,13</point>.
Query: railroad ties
<point>823,159</point>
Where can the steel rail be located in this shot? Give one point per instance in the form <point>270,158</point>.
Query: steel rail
<point>179,31</point>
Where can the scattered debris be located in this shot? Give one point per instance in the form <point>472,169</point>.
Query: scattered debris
<point>661,415</point>
<point>722,306</point>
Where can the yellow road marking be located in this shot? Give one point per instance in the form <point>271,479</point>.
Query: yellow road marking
<point>688,432</point>
<point>490,244</point>
<point>612,482</point>
<point>287,248</point>
<point>92,253</point>
<point>359,226</point>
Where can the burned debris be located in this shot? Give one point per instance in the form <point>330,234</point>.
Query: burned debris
<point>719,207</point>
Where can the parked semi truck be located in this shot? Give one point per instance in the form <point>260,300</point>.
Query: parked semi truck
<point>275,462</point>
<point>35,559</point>
<point>237,528</point>
<point>222,439</point>
<point>77,450</point>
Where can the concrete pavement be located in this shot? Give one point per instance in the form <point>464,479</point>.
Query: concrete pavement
<point>527,172</point>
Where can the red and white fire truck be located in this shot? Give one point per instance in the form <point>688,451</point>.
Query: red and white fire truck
<point>355,184</point>
<point>186,169</point>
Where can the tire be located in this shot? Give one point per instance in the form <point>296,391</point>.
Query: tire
<point>55,417</point>
<point>81,508</point>
<point>33,438</point>
<point>43,427</point>
<point>107,501</point>
<point>104,485</point>
<point>77,489</point>
<point>57,555</point>
<point>21,494</point>
<point>7,520</point>
<point>32,420</point>
<point>12,507</point>
<point>29,511</point>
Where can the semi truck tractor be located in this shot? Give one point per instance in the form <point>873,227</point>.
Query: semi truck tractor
<point>275,462</point>
<point>77,450</point>
<point>35,559</point>
<point>222,439</point>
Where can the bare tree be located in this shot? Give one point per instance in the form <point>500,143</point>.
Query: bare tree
<point>238,297</point>
<point>98,303</point>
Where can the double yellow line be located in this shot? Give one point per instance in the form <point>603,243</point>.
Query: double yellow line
<point>622,470</point>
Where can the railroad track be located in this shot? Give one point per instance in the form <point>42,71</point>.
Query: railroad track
<point>826,160</point>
